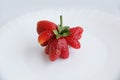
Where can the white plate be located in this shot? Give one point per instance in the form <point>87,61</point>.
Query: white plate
<point>21,57</point>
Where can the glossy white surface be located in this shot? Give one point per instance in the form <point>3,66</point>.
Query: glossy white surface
<point>21,57</point>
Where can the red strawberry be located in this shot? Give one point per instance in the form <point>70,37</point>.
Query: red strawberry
<point>73,42</point>
<point>48,45</point>
<point>64,48</point>
<point>75,35</point>
<point>57,38</point>
<point>44,37</point>
<point>58,47</point>
<point>54,52</point>
<point>76,32</point>
<point>53,55</point>
<point>45,25</point>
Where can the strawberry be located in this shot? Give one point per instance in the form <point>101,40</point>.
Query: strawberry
<point>44,37</point>
<point>76,32</point>
<point>57,38</point>
<point>58,47</point>
<point>45,25</point>
<point>48,45</point>
<point>75,35</point>
<point>73,42</point>
<point>64,48</point>
<point>54,51</point>
<point>53,55</point>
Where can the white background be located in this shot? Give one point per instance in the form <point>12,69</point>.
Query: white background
<point>10,9</point>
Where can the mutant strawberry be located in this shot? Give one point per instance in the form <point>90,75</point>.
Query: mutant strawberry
<point>45,25</point>
<point>56,38</point>
<point>44,37</point>
<point>58,47</point>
